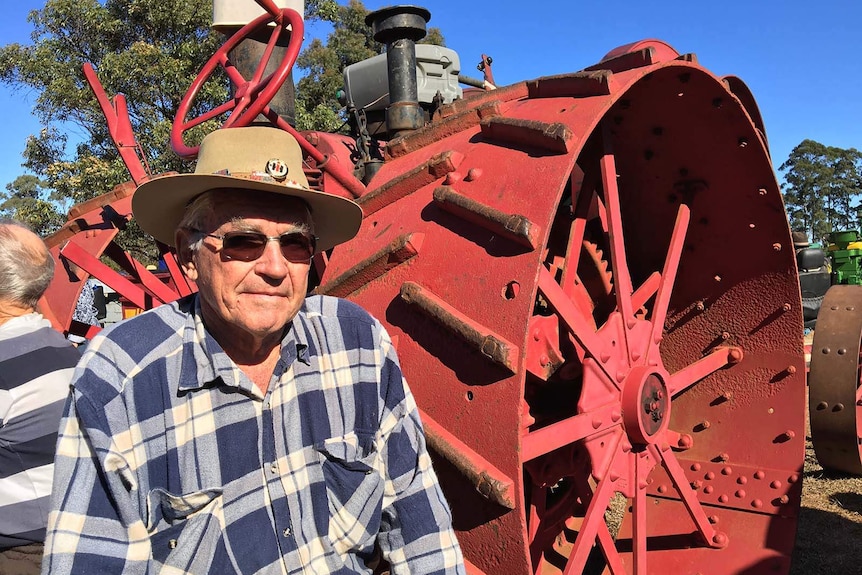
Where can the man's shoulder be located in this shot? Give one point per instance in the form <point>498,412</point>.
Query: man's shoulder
<point>333,308</point>
<point>141,334</point>
<point>42,339</point>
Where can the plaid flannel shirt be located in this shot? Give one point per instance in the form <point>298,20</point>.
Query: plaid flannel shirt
<point>170,460</point>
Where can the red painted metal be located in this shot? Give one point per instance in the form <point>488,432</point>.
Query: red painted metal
<point>619,236</point>
<point>589,282</point>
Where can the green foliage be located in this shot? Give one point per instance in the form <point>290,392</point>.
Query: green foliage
<point>821,182</point>
<point>148,50</point>
<point>27,200</point>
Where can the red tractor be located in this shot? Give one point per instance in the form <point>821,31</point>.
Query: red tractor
<point>589,279</point>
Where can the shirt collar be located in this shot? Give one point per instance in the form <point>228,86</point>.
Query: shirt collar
<point>204,361</point>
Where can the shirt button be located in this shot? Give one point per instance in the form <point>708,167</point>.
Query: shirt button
<point>274,468</point>
<point>172,543</point>
<point>287,532</point>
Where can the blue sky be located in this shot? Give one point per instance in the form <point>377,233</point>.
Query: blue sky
<point>799,58</point>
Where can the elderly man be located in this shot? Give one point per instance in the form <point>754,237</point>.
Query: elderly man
<point>36,364</point>
<point>246,429</point>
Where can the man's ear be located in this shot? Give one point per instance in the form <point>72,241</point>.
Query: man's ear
<point>182,239</point>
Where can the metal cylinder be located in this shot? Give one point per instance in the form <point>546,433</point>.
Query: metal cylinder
<point>247,56</point>
<point>229,16</point>
<point>400,27</point>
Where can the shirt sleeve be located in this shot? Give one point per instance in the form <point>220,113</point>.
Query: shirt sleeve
<point>94,525</point>
<point>416,532</point>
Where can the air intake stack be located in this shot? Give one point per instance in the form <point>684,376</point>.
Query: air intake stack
<point>399,28</point>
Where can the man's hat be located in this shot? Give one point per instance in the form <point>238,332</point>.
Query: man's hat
<point>257,159</point>
<point>800,239</point>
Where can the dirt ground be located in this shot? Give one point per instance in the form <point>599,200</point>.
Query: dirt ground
<point>829,536</point>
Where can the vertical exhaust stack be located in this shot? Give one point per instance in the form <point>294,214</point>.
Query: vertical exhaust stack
<point>400,27</point>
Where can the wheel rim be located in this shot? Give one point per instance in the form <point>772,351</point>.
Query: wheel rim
<point>835,394</point>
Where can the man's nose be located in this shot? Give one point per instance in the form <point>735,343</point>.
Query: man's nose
<point>272,262</point>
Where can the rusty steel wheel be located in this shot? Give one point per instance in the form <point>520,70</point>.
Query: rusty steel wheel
<point>589,282</point>
<point>835,403</point>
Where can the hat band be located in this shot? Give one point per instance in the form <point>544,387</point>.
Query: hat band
<point>261,177</point>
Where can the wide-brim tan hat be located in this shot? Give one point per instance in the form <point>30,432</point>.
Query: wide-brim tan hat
<point>258,159</point>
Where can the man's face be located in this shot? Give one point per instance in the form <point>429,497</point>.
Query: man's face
<point>247,301</point>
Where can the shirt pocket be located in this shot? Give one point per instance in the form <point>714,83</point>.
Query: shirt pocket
<point>354,489</point>
<point>186,531</point>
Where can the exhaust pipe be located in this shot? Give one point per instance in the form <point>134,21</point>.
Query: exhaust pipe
<point>399,28</point>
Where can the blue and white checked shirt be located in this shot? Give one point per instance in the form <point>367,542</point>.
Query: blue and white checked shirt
<point>170,460</point>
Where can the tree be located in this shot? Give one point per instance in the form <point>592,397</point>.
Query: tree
<point>149,50</point>
<point>821,182</point>
<point>27,200</point>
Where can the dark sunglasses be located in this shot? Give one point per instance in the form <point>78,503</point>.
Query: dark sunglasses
<point>296,247</point>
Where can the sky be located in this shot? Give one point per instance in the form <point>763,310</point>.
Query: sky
<point>799,58</point>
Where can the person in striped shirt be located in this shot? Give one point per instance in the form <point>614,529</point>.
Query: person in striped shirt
<point>36,364</point>
<point>247,428</point>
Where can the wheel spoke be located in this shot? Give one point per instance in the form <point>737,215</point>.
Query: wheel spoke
<point>646,290</point>
<point>267,54</point>
<point>214,113</point>
<point>692,373</point>
<point>695,510</point>
<point>606,540</point>
<point>622,279</point>
<point>556,435</point>
<point>579,326</point>
<point>580,212</point>
<point>241,105</point>
<point>639,515</point>
<point>668,274</point>
<point>233,74</point>
<point>594,519</point>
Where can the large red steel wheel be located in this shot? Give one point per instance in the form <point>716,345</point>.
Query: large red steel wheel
<point>590,283</point>
<point>835,393</point>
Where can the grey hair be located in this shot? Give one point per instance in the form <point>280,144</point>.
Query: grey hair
<point>25,272</point>
<point>197,217</point>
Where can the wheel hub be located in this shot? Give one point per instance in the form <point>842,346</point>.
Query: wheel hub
<point>645,405</point>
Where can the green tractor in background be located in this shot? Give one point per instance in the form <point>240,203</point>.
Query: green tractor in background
<point>819,269</point>
<point>845,253</point>
<point>831,282</point>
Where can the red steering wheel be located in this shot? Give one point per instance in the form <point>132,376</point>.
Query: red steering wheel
<point>251,96</point>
